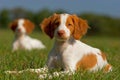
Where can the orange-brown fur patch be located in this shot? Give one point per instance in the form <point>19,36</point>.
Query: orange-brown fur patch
<point>107,68</point>
<point>13,25</point>
<point>49,25</point>
<point>80,27</point>
<point>29,26</point>
<point>87,62</point>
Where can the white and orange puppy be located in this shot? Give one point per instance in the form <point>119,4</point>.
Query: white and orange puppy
<point>21,28</point>
<point>68,52</point>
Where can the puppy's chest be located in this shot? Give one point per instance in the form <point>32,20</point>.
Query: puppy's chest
<point>63,55</point>
<point>23,42</point>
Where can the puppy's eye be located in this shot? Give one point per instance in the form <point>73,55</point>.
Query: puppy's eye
<point>57,23</point>
<point>69,24</point>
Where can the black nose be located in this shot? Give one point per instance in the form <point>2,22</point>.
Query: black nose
<point>61,32</point>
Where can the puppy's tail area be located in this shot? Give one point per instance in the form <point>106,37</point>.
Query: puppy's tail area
<point>107,68</point>
<point>40,70</point>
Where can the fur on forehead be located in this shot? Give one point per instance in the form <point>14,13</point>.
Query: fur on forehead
<point>28,25</point>
<point>48,24</point>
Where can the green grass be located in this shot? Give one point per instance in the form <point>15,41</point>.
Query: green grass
<point>36,58</point>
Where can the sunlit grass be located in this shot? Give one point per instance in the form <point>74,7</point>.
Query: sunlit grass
<point>20,60</point>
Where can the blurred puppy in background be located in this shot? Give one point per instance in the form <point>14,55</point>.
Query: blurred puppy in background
<point>21,28</point>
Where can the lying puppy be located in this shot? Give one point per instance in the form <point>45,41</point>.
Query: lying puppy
<point>68,53</point>
<point>21,28</point>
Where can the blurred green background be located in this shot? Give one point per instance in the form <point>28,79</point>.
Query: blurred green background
<point>102,16</point>
<point>100,24</point>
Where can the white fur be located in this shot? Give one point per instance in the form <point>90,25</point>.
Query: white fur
<point>23,41</point>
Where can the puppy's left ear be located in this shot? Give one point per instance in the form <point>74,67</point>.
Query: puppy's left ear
<point>29,26</point>
<point>80,27</point>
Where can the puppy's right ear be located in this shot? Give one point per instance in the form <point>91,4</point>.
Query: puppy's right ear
<point>13,25</point>
<point>47,25</point>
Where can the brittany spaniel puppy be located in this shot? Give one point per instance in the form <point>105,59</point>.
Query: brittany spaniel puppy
<point>22,27</point>
<point>69,53</point>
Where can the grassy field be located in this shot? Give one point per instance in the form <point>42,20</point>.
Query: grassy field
<point>36,58</point>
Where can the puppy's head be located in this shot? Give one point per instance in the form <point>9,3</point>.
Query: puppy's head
<point>22,26</point>
<point>64,26</point>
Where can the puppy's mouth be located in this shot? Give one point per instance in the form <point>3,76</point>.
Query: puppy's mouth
<point>61,38</point>
<point>18,30</point>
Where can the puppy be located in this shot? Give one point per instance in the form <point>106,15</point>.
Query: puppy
<point>69,53</point>
<point>21,28</point>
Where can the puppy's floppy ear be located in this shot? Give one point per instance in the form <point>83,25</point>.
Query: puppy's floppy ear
<point>80,27</point>
<point>13,25</point>
<point>29,26</point>
<point>47,25</point>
